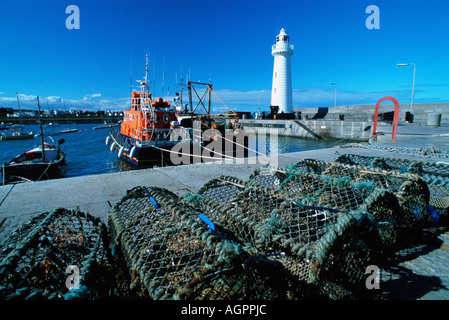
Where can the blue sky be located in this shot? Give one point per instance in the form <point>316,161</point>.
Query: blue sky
<point>226,42</point>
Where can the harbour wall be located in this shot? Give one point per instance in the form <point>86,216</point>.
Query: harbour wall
<point>352,122</point>
<point>313,129</point>
<point>422,112</point>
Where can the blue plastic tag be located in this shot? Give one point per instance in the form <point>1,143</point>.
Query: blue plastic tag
<point>208,222</point>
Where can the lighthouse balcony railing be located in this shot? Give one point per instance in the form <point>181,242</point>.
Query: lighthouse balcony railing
<point>282,47</point>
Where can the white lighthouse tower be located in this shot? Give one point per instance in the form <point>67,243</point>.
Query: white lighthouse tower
<point>281,90</point>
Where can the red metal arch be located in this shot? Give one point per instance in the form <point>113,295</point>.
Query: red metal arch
<point>395,116</point>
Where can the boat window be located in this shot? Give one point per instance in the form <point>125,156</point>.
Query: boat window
<point>165,118</point>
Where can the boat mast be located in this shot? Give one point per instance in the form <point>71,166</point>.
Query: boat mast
<point>40,127</point>
<point>20,111</point>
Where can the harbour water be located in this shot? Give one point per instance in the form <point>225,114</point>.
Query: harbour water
<point>87,153</point>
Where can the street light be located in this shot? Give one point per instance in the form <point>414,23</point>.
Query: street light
<point>334,84</point>
<point>413,87</point>
<point>258,105</point>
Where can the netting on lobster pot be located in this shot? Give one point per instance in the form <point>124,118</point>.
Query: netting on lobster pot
<point>61,254</point>
<point>309,166</point>
<point>434,174</point>
<point>267,176</point>
<point>270,176</point>
<point>173,251</point>
<point>385,163</point>
<point>411,190</point>
<point>306,234</point>
<point>341,194</point>
<point>255,215</point>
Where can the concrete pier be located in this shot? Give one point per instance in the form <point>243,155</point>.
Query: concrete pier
<point>96,194</point>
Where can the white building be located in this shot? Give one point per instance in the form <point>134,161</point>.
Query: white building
<point>281,90</point>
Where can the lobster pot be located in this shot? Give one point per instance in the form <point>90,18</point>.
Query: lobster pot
<point>309,166</point>
<point>56,255</point>
<point>306,235</point>
<point>421,168</point>
<point>437,177</point>
<point>411,190</point>
<point>342,195</point>
<point>243,211</point>
<point>170,253</point>
<point>268,176</point>
<point>433,175</point>
<point>222,189</point>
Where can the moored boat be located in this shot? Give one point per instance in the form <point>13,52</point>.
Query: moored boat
<point>42,162</point>
<point>17,135</point>
<point>18,132</point>
<point>151,132</point>
<point>35,164</point>
<point>148,131</point>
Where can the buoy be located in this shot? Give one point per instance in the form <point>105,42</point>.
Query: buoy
<point>120,152</point>
<point>133,151</point>
<point>107,140</point>
<point>112,146</point>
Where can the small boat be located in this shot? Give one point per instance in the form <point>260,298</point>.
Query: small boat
<point>106,126</point>
<point>35,164</point>
<point>68,130</point>
<point>17,135</point>
<point>42,162</point>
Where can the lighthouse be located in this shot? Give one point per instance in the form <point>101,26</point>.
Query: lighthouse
<point>281,90</point>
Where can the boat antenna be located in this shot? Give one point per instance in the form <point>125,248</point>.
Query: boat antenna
<point>163,73</point>
<point>131,71</point>
<point>40,127</point>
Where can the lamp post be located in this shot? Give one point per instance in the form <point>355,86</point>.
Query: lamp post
<point>334,84</point>
<point>413,86</point>
<point>258,105</point>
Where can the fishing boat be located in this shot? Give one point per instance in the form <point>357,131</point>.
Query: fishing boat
<point>149,129</point>
<point>39,163</point>
<point>151,134</point>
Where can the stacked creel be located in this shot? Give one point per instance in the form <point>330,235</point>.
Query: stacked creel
<point>336,192</point>
<point>59,254</point>
<point>411,190</point>
<point>172,251</point>
<point>321,246</point>
<point>434,174</point>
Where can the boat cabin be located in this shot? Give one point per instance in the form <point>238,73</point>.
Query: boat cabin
<point>142,120</point>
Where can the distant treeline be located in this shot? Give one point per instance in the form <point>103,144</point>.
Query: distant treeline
<point>62,119</point>
<point>10,115</point>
